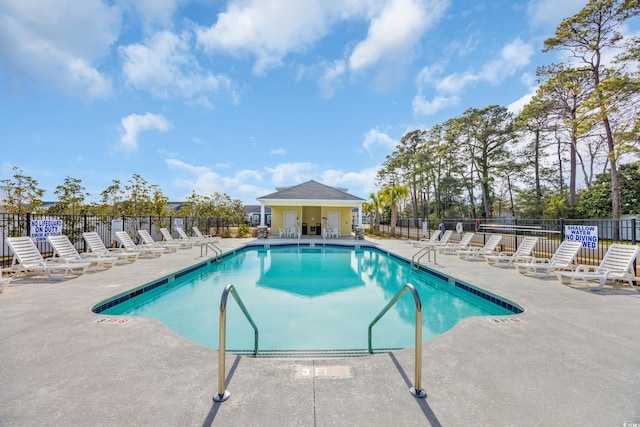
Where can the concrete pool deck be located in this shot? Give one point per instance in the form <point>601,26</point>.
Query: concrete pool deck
<point>572,358</point>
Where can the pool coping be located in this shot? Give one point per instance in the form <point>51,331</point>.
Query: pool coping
<point>570,357</point>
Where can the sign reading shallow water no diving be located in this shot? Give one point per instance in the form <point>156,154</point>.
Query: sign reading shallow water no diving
<point>585,234</point>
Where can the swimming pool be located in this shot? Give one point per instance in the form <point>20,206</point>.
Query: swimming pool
<point>307,298</point>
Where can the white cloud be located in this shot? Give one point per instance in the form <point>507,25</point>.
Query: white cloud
<point>425,107</point>
<point>395,31</point>
<point>245,185</point>
<point>278,152</point>
<point>292,173</point>
<point>513,57</point>
<point>271,29</point>
<point>331,77</point>
<point>164,66</point>
<point>136,123</point>
<point>268,29</point>
<point>358,183</point>
<point>59,45</point>
<point>374,138</point>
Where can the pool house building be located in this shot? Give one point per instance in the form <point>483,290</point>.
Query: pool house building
<point>311,209</point>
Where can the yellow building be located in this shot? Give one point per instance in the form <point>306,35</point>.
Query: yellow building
<point>312,208</point>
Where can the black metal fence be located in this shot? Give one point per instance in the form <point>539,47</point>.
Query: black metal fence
<point>38,226</point>
<point>597,234</point>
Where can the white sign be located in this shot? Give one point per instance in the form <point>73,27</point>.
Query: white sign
<point>41,228</point>
<point>177,223</point>
<point>585,234</point>
<point>116,225</point>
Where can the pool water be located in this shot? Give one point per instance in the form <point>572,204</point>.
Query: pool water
<point>307,298</point>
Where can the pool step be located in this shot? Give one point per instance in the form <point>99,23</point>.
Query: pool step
<point>311,354</point>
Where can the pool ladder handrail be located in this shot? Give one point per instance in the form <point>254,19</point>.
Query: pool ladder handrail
<point>416,390</point>
<point>210,245</point>
<point>422,252</point>
<point>223,394</point>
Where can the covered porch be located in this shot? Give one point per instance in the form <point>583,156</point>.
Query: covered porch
<point>312,210</point>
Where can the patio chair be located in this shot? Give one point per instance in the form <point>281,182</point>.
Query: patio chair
<point>617,264</point>
<point>463,244</point>
<point>564,258</point>
<point>148,241</point>
<point>130,246</point>
<point>184,244</point>
<point>430,241</point>
<point>27,259</point>
<point>206,237</point>
<point>489,248</point>
<point>96,246</point>
<point>196,240</point>
<point>506,258</point>
<point>444,240</point>
<point>64,250</point>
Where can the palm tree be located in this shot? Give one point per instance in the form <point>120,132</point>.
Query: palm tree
<point>375,206</point>
<point>393,195</point>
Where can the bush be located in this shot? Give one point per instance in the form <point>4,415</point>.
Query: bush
<point>243,230</point>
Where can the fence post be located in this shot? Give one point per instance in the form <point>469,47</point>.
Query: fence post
<point>633,242</point>
<point>28,223</point>
<point>561,229</point>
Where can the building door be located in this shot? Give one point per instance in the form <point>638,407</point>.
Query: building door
<point>290,219</point>
<point>333,220</point>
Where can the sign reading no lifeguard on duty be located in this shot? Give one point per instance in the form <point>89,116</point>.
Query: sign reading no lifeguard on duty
<point>585,234</point>
<point>41,228</point>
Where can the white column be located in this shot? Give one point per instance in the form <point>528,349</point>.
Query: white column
<point>360,215</point>
<point>262,215</point>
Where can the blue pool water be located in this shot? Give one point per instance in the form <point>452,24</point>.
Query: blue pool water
<point>307,298</point>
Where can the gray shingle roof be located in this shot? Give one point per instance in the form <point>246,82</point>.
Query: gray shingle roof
<point>310,190</point>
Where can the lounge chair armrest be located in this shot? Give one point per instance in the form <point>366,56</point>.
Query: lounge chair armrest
<point>506,254</point>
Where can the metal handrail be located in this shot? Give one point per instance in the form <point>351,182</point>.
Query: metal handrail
<point>223,394</point>
<point>426,250</point>
<point>416,390</point>
<point>206,246</point>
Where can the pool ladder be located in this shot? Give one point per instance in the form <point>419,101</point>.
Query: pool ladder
<point>204,250</point>
<point>416,390</point>
<point>415,262</point>
<point>223,394</point>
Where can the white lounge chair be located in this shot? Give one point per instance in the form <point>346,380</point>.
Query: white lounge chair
<point>148,241</point>
<point>64,250</point>
<point>489,248</point>
<point>183,236</point>
<point>207,237</point>
<point>129,245</point>
<point>506,258</point>
<point>430,241</point>
<point>96,246</point>
<point>444,240</point>
<point>463,244</point>
<point>166,235</point>
<point>617,264</point>
<point>27,259</point>
<point>564,258</point>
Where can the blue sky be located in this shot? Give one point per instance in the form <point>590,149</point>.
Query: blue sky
<point>243,96</point>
